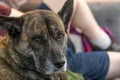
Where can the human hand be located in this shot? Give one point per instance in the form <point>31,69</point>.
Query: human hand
<point>5,10</point>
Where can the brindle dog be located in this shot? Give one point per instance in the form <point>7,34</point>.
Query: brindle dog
<point>36,45</point>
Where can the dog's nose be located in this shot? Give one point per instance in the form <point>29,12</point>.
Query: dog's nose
<point>59,64</point>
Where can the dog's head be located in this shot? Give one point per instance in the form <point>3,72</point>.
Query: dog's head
<point>38,39</point>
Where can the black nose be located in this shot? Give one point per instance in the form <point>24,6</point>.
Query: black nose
<point>59,64</point>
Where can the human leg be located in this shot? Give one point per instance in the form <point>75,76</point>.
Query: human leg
<point>84,20</point>
<point>114,68</point>
<point>93,66</point>
<point>96,65</point>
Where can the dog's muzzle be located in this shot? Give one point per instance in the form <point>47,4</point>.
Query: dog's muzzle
<point>56,67</point>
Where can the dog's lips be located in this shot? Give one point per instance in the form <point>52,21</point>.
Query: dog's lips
<point>45,76</point>
<point>56,71</point>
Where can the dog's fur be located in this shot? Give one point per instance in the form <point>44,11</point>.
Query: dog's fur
<point>36,45</point>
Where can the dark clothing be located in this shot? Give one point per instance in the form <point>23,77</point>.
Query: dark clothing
<point>93,65</point>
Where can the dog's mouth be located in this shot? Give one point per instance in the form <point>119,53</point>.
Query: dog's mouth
<point>41,75</point>
<point>48,76</point>
<point>56,71</point>
<point>45,76</point>
<point>37,74</point>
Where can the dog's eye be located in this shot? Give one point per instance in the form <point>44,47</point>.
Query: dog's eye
<point>59,35</point>
<point>39,39</point>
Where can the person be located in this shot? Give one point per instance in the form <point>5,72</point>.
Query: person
<point>102,64</point>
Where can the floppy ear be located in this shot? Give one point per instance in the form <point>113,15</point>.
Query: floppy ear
<point>13,25</point>
<point>66,12</point>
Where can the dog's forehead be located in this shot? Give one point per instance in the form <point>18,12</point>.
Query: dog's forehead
<point>43,20</point>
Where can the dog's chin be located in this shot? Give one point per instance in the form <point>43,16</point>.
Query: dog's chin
<point>55,72</point>
<point>58,75</point>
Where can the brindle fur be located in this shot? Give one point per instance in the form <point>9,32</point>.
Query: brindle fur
<point>36,45</point>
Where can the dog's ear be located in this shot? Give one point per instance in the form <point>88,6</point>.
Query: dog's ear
<point>66,12</point>
<point>13,25</point>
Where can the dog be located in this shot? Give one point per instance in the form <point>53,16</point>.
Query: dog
<point>36,45</point>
